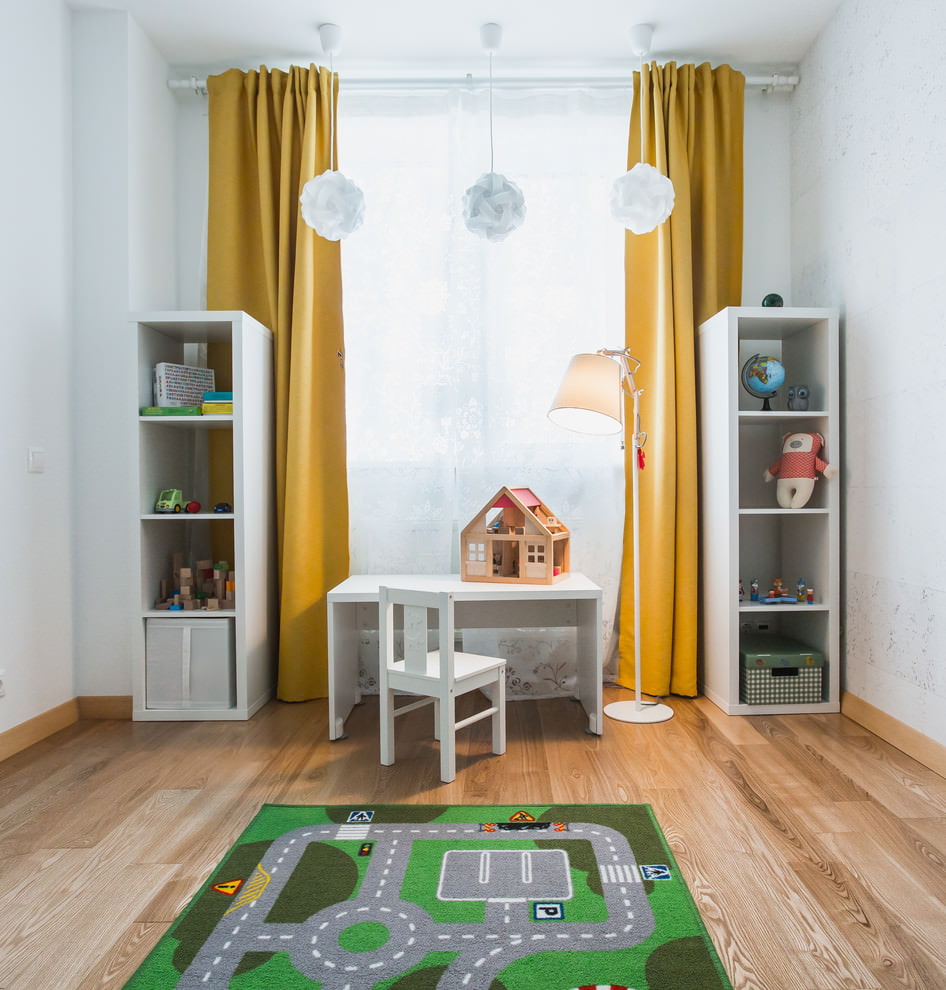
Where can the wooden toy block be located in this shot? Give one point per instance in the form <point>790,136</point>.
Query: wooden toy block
<point>213,604</point>
<point>514,538</point>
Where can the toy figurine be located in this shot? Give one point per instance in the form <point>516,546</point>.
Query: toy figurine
<point>801,592</point>
<point>742,594</point>
<point>754,590</point>
<point>796,398</point>
<point>778,592</point>
<point>797,469</point>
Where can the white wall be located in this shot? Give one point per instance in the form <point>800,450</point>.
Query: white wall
<point>36,574</point>
<point>766,259</point>
<point>124,261</point>
<point>868,215</point>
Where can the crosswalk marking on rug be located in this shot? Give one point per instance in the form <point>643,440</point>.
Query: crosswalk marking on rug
<point>359,832</point>
<point>622,873</point>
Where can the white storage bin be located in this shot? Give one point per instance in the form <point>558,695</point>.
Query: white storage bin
<point>189,663</point>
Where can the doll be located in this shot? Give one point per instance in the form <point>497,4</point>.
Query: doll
<point>798,468</point>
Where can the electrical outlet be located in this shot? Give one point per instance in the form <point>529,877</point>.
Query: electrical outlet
<point>754,626</point>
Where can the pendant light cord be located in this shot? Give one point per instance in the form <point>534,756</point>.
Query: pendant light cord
<point>640,97</point>
<point>491,112</point>
<point>332,164</point>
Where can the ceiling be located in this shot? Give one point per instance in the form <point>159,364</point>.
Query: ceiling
<point>425,37</point>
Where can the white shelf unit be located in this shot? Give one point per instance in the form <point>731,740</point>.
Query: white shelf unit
<point>203,664</point>
<point>745,534</point>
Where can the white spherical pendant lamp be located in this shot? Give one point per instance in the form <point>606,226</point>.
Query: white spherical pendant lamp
<point>331,204</point>
<point>493,207</point>
<point>642,198</point>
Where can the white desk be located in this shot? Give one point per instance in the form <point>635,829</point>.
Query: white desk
<point>572,602</point>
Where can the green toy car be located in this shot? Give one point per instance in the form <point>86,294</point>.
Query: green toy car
<point>170,500</point>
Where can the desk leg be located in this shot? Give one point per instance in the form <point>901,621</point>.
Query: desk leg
<point>343,693</point>
<point>590,662</point>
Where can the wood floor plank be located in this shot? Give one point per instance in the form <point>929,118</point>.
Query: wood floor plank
<point>815,852</point>
<point>892,778</point>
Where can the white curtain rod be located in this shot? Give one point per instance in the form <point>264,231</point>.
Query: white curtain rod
<point>774,83</point>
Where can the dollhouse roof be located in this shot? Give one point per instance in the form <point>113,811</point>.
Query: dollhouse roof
<point>525,496</point>
<point>526,501</point>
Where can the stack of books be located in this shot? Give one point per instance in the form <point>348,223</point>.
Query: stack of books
<point>217,404</point>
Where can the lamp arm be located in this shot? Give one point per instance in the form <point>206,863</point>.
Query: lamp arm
<point>629,387</point>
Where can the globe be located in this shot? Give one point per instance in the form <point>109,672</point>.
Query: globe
<point>762,376</point>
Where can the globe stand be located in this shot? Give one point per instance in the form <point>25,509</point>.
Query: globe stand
<point>765,404</point>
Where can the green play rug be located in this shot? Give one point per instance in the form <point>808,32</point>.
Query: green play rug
<point>462,897</point>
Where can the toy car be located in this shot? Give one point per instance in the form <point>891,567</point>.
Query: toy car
<point>169,500</point>
<point>223,507</point>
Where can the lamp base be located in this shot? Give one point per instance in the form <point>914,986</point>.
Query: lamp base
<point>627,711</point>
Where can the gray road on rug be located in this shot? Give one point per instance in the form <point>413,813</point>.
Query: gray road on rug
<point>524,890</point>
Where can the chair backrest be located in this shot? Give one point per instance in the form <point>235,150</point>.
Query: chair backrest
<point>420,612</point>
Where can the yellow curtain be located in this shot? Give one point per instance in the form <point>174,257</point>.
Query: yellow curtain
<point>270,133</point>
<point>677,276</point>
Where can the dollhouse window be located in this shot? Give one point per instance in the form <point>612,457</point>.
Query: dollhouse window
<point>476,551</point>
<point>535,553</point>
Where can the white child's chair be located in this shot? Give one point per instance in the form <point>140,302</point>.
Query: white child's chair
<point>439,676</point>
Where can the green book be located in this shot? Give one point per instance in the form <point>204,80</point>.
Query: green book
<point>170,410</point>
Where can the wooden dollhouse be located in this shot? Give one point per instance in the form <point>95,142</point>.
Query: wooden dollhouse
<point>514,538</point>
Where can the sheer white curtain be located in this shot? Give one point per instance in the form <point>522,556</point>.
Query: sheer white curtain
<point>455,345</point>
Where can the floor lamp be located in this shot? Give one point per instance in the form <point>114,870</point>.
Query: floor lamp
<point>591,400</point>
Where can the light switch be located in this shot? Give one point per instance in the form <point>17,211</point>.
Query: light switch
<point>36,460</point>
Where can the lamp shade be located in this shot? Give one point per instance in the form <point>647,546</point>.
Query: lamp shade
<point>590,398</point>
<point>493,207</point>
<point>642,199</point>
<point>332,205</point>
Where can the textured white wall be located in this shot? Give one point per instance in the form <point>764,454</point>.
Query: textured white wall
<point>36,576</point>
<point>123,117</point>
<point>766,250</point>
<point>868,215</point>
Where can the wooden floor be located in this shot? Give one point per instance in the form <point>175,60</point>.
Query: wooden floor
<point>815,852</point>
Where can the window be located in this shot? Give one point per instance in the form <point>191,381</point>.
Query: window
<point>455,345</point>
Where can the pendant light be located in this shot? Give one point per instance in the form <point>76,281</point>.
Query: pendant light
<point>642,198</point>
<point>493,207</point>
<point>331,203</point>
